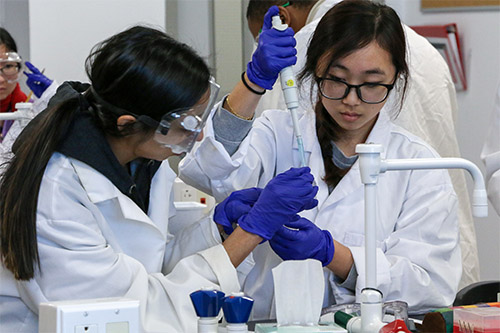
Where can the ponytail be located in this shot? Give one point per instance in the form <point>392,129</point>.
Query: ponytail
<point>20,184</point>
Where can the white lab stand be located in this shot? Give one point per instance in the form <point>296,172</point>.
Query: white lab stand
<point>103,315</point>
<point>371,165</point>
<point>24,112</point>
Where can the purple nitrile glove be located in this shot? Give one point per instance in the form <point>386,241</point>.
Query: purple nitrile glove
<point>283,197</point>
<point>36,81</point>
<point>275,51</point>
<point>303,241</point>
<point>234,206</point>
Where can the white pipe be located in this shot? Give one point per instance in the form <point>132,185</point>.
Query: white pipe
<point>370,235</point>
<point>14,115</point>
<point>479,196</point>
<point>370,166</point>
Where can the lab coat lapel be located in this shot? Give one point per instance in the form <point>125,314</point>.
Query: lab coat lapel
<point>312,150</point>
<point>100,189</point>
<point>161,207</point>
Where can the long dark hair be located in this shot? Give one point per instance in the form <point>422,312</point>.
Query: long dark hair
<point>349,26</point>
<point>141,70</point>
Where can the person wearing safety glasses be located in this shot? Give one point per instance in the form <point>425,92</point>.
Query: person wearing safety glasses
<point>11,65</point>
<point>85,202</point>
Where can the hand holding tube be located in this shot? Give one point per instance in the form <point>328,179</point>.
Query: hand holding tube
<point>36,81</point>
<point>283,197</point>
<point>235,206</point>
<point>275,51</point>
<point>304,241</point>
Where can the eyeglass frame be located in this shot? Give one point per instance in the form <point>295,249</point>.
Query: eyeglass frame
<point>389,87</point>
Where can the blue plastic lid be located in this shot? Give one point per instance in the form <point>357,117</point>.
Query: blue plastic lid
<point>237,308</point>
<point>207,302</point>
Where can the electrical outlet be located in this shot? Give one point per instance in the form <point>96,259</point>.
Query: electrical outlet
<point>189,193</point>
<point>86,329</point>
<point>109,315</point>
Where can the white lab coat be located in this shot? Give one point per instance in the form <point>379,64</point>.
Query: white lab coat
<point>430,111</point>
<point>418,255</point>
<point>491,155</point>
<point>96,242</point>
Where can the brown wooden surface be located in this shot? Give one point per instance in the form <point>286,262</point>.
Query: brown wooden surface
<point>433,4</point>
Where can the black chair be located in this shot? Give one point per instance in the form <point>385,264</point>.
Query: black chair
<point>479,292</point>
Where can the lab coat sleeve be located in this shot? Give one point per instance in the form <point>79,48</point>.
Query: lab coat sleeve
<point>211,169</point>
<point>491,156</point>
<point>420,262</point>
<point>77,262</point>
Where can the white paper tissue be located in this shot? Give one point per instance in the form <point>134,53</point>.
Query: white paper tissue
<point>298,290</point>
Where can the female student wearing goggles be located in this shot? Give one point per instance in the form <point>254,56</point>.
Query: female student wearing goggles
<point>85,202</point>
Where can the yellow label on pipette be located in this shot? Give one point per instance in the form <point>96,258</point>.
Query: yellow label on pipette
<point>290,83</point>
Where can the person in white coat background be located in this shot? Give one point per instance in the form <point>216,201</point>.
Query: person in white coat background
<point>86,200</point>
<point>491,155</point>
<point>430,103</point>
<point>357,58</point>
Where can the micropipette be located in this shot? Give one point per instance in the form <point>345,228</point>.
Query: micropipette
<point>289,87</point>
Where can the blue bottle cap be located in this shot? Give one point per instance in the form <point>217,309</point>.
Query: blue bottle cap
<point>207,302</point>
<point>237,308</point>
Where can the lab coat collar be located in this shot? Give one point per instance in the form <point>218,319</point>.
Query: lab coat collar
<point>351,182</point>
<point>100,189</point>
<point>319,9</point>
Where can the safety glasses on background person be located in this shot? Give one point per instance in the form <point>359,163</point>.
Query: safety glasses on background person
<point>10,66</point>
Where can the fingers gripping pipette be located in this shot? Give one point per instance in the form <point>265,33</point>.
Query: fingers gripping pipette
<point>289,87</point>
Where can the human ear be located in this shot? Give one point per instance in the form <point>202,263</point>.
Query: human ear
<point>125,120</point>
<point>285,15</point>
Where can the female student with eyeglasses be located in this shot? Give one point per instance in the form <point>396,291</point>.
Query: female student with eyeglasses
<point>357,57</point>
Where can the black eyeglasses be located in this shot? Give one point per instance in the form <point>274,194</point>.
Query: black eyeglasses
<point>370,93</point>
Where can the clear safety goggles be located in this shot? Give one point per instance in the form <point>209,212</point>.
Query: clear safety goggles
<point>179,129</point>
<point>10,66</point>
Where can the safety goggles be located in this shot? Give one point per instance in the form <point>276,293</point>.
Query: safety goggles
<point>179,129</point>
<point>10,65</point>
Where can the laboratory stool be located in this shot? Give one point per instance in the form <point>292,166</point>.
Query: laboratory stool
<point>479,292</point>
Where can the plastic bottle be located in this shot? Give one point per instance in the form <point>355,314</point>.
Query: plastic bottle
<point>207,303</point>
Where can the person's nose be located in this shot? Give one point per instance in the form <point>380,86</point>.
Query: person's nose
<point>352,98</point>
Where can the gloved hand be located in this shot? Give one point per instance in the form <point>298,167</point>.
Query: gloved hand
<point>37,82</point>
<point>234,206</point>
<point>275,51</point>
<point>306,242</point>
<point>283,197</point>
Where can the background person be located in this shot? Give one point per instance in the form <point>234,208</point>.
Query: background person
<point>88,187</point>
<point>491,155</point>
<point>10,65</point>
<point>357,59</point>
<point>11,94</point>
